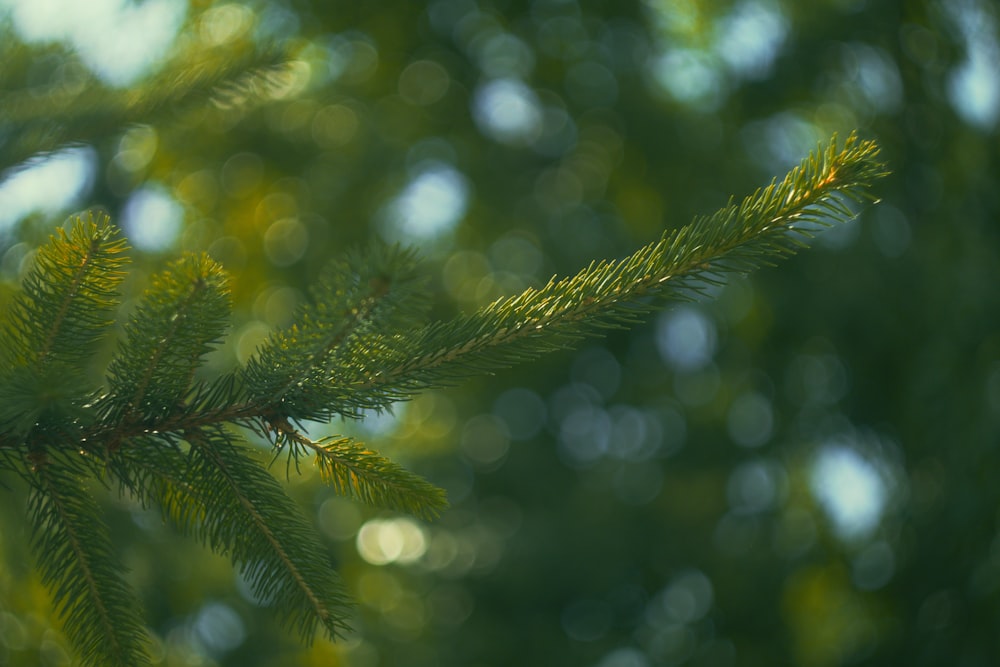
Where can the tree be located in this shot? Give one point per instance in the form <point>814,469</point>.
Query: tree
<point>874,354</point>
<point>162,436</point>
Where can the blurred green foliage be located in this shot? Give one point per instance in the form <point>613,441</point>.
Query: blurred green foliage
<point>796,472</point>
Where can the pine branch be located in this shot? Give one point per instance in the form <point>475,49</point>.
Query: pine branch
<point>233,505</point>
<point>353,470</point>
<point>36,121</point>
<point>168,439</point>
<point>78,565</point>
<point>298,372</point>
<point>220,495</point>
<point>770,224</point>
<point>355,348</point>
<point>63,308</point>
<point>55,322</point>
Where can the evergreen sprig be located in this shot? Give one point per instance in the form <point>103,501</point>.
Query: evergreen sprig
<point>245,514</point>
<point>354,470</point>
<point>169,438</point>
<point>63,309</point>
<point>78,564</point>
<point>771,223</point>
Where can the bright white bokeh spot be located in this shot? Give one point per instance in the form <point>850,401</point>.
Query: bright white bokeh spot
<point>850,490</point>
<point>119,40</point>
<point>690,76</point>
<point>430,205</point>
<point>750,37</point>
<point>152,218</point>
<point>877,77</point>
<point>508,111</point>
<point>384,541</point>
<point>686,338</point>
<point>47,186</point>
<point>974,84</point>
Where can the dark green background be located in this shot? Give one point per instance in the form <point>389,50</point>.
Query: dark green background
<point>676,545</point>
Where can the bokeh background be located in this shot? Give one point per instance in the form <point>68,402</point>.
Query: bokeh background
<point>800,470</point>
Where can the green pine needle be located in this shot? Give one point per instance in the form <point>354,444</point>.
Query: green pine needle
<point>353,470</point>
<point>78,565</point>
